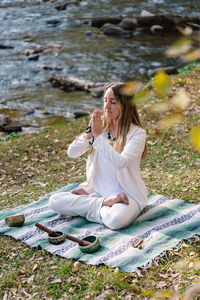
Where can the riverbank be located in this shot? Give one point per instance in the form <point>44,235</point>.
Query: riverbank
<point>40,41</point>
<point>36,164</point>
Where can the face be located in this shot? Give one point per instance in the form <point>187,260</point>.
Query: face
<point>111,106</point>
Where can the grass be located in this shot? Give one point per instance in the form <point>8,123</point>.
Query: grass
<point>33,165</point>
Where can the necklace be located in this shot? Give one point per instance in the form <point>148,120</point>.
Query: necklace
<point>110,139</point>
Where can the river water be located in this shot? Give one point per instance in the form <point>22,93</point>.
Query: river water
<point>85,53</point>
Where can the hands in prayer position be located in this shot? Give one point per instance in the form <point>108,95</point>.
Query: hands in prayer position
<point>96,123</point>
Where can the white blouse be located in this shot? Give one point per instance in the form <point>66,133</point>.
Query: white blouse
<point>124,165</point>
<point>106,182</point>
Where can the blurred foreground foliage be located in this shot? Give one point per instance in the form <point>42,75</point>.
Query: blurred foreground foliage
<point>174,103</point>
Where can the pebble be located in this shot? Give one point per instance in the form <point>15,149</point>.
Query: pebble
<point>33,57</point>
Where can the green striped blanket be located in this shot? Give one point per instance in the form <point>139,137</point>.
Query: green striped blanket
<point>167,221</point>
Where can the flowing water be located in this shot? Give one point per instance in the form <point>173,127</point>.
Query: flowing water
<point>85,52</point>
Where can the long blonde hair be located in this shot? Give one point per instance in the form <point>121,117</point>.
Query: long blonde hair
<point>128,115</point>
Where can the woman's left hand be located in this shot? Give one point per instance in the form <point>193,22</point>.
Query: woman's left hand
<point>96,123</point>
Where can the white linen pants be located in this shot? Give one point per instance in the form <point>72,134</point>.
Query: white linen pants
<point>90,206</point>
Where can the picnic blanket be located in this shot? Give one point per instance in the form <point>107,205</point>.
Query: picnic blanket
<point>164,221</point>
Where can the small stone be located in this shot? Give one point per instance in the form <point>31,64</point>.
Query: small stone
<point>28,52</point>
<point>88,33</point>
<point>53,22</point>
<point>128,24</point>
<point>33,57</point>
<point>113,30</point>
<point>146,13</point>
<point>157,29</point>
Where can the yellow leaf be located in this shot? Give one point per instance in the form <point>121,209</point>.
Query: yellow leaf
<point>191,56</point>
<point>181,100</point>
<point>141,96</point>
<point>147,292</point>
<point>160,107</point>
<point>166,295</point>
<point>180,47</point>
<point>195,137</point>
<point>131,87</point>
<point>171,120</point>
<point>162,84</point>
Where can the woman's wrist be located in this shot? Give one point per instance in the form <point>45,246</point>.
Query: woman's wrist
<point>87,136</point>
<point>88,133</point>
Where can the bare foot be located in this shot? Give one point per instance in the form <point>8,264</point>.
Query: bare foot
<point>79,191</point>
<point>119,198</point>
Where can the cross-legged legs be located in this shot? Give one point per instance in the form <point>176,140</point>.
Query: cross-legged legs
<point>87,206</point>
<point>115,211</point>
<point>119,215</point>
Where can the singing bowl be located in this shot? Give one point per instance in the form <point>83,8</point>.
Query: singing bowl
<point>95,244</point>
<point>56,237</point>
<point>15,221</point>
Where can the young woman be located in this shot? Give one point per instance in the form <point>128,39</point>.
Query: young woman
<point>114,193</point>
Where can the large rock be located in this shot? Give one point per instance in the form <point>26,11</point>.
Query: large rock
<point>7,125</point>
<point>128,24</point>
<point>113,30</point>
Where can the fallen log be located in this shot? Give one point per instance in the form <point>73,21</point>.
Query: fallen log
<point>100,21</point>
<point>167,21</point>
<point>69,83</point>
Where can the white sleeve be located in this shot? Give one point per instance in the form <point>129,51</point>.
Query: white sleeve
<point>78,147</point>
<point>133,149</point>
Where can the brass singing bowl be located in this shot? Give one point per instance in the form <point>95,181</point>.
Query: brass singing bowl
<point>15,221</point>
<point>93,247</point>
<point>56,237</point>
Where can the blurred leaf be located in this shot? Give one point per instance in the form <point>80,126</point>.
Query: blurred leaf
<point>162,84</point>
<point>171,120</point>
<point>186,30</point>
<point>131,87</point>
<point>191,56</point>
<point>166,295</point>
<point>147,293</point>
<point>160,107</point>
<point>195,137</point>
<point>180,47</point>
<point>141,96</point>
<point>181,100</point>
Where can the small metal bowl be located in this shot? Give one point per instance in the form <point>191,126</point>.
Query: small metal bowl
<point>95,244</point>
<point>56,237</point>
<point>15,221</point>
